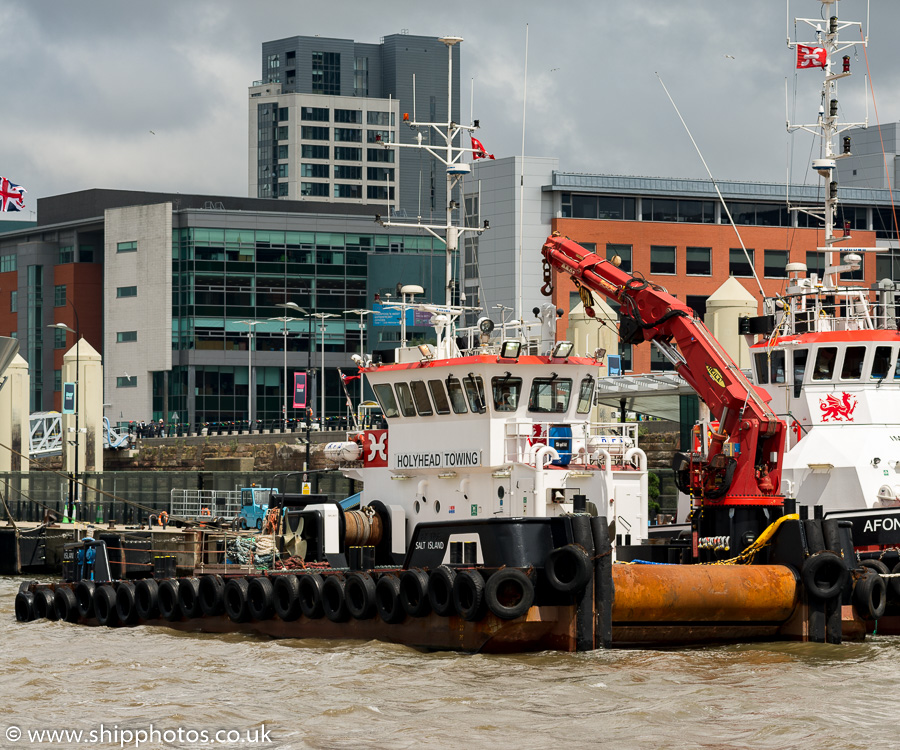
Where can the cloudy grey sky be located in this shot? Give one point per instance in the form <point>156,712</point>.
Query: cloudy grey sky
<point>86,82</point>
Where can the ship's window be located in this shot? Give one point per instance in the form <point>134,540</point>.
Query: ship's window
<point>506,392</point>
<point>405,399</point>
<point>457,397</point>
<point>420,396</point>
<point>762,368</point>
<point>853,363</point>
<point>385,397</point>
<point>800,357</point>
<point>824,369</point>
<point>777,360</point>
<point>585,395</point>
<point>881,363</point>
<point>439,396</point>
<point>475,392</point>
<point>550,394</point>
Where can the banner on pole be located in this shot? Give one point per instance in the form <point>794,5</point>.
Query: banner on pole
<point>299,390</point>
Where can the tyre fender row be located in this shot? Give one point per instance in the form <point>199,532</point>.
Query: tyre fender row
<point>825,575</point>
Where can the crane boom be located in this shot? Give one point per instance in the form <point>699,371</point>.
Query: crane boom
<point>743,464</point>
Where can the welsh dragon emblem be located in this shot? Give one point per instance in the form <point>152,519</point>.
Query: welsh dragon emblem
<point>836,409</point>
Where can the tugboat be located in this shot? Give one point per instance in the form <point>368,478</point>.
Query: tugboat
<point>496,516</point>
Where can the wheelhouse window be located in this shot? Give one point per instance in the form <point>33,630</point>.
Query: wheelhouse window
<point>761,361</point>
<point>385,397</point>
<point>420,396</point>
<point>585,395</point>
<point>405,400</point>
<point>439,396</point>
<point>506,392</point>
<point>777,366</point>
<point>550,394</point>
<point>853,363</point>
<point>457,396</point>
<point>475,392</point>
<point>881,363</point>
<point>800,357</point>
<point>825,357</point>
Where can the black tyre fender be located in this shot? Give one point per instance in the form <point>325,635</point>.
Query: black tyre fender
<point>334,603</point>
<point>824,574</point>
<point>894,584</point>
<point>568,568</point>
<point>44,604</point>
<point>105,606</point>
<point>66,604</point>
<point>877,565</point>
<point>189,598</point>
<point>509,593</point>
<point>468,595</point>
<point>24,606</point>
<point>309,592</point>
<point>84,594</point>
<point>414,592</point>
<point>236,605</point>
<point>261,598</point>
<point>212,595</point>
<point>870,595</point>
<point>387,599</point>
<point>126,603</point>
<point>440,590</point>
<point>146,598</point>
<point>169,608</point>
<point>287,597</point>
<point>359,593</point>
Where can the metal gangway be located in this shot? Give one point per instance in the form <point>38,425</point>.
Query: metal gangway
<point>45,434</point>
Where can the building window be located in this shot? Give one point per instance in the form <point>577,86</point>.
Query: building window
<point>380,154</point>
<point>348,115</point>
<point>815,263</point>
<point>347,153</point>
<point>282,114</point>
<point>85,254</point>
<point>658,363</point>
<point>737,262</point>
<point>361,76</point>
<point>129,381</point>
<point>576,206</point>
<point>282,170</point>
<point>326,73</point>
<point>314,152</point>
<point>283,152</point>
<point>345,172</point>
<point>314,114</point>
<point>662,259</point>
<point>313,133</point>
<point>697,303</point>
<point>57,380</point>
<point>379,136</point>
<point>379,192</point>
<point>348,135</point>
<point>348,191</point>
<point>66,255</point>
<point>59,338</point>
<point>774,262</point>
<point>314,170</point>
<point>126,247</point>
<point>380,118</point>
<point>273,62</point>
<point>126,291</point>
<point>625,354</point>
<point>123,337</point>
<point>8,262</point>
<point>14,301</point>
<point>59,295</point>
<point>758,214</point>
<point>282,189</point>
<point>282,133</point>
<point>698,261</point>
<point>380,174</point>
<point>317,189</point>
<point>623,251</point>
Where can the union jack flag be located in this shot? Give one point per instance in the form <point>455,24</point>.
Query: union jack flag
<point>12,196</point>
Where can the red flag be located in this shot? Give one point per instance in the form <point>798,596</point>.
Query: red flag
<point>478,151</point>
<point>811,57</point>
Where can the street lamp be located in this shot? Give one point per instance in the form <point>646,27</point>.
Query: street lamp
<point>285,319</point>
<point>73,478</point>
<point>249,324</point>
<point>321,316</point>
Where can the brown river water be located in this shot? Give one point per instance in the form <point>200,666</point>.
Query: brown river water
<point>156,688</point>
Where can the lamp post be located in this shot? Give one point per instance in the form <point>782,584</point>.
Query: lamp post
<point>362,312</point>
<point>286,319</point>
<point>73,478</point>
<point>249,324</point>
<point>321,316</point>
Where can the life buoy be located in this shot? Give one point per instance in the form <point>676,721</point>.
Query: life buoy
<point>414,592</point>
<point>212,595</point>
<point>824,574</point>
<point>163,519</point>
<point>509,593</point>
<point>146,598</point>
<point>205,512</point>
<point>468,595</point>
<point>287,597</point>
<point>387,599</point>
<point>236,599</point>
<point>125,603</point>
<point>261,598</point>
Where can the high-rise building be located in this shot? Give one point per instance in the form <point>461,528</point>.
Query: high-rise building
<point>324,108</point>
